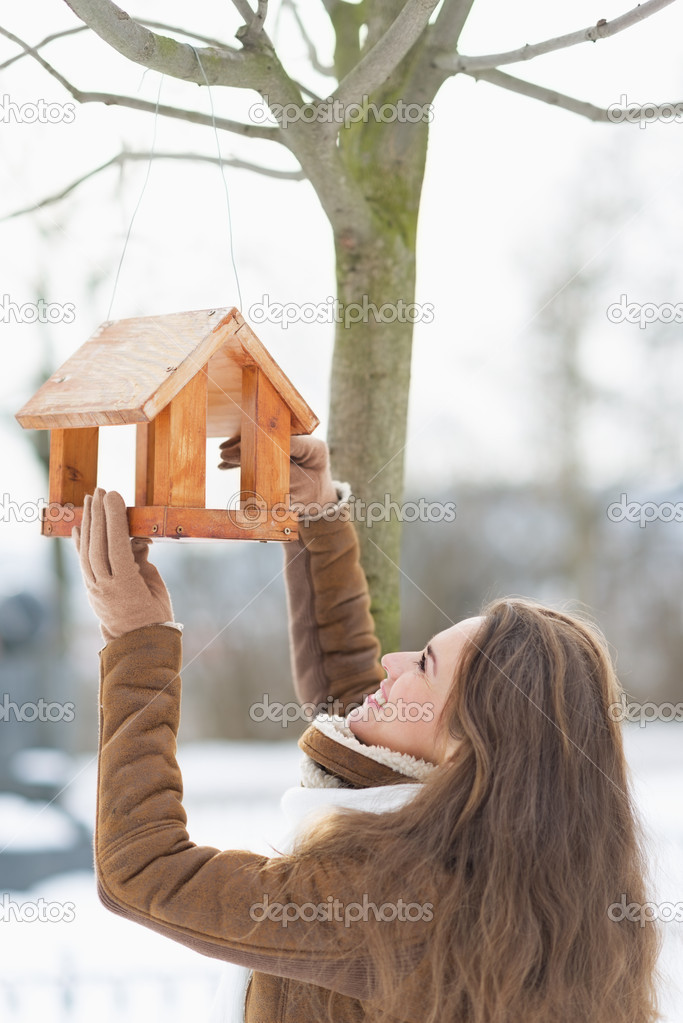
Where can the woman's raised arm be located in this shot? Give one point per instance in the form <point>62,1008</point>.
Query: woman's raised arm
<point>333,647</point>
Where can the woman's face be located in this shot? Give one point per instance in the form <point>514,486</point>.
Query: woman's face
<point>415,691</point>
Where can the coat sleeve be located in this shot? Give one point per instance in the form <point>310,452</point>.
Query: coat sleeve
<point>149,871</point>
<point>333,647</point>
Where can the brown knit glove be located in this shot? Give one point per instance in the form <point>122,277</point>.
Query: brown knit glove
<point>310,479</point>
<point>123,589</point>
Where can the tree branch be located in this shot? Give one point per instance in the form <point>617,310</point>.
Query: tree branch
<point>223,65</point>
<point>29,51</point>
<point>540,92</point>
<point>387,53</point>
<point>124,157</point>
<point>254,131</point>
<point>270,134</point>
<point>258,69</point>
<point>341,198</point>
<point>602,30</point>
<point>648,111</point>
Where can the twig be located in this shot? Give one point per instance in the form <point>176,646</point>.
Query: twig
<point>556,99</point>
<point>602,30</point>
<point>576,106</point>
<point>42,43</point>
<point>124,157</point>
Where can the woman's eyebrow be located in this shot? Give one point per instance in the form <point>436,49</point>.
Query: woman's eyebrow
<point>430,653</point>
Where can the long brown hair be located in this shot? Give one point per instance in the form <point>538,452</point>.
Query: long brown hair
<point>527,834</point>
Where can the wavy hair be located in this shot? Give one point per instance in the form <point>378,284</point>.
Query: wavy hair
<point>525,837</point>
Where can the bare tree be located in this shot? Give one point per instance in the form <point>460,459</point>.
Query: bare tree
<point>391,58</point>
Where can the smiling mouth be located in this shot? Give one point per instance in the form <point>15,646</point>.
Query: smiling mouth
<point>376,701</point>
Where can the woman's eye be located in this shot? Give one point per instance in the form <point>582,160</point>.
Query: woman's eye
<point>422,663</point>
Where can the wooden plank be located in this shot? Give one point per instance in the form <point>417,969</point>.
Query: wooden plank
<point>164,523</point>
<point>266,423</point>
<point>188,444</point>
<point>73,465</point>
<point>224,412</point>
<point>179,432</point>
<point>159,459</point>
<point>128,370</point>
<point>230,524</point>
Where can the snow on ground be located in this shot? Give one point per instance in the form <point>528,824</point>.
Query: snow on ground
<point>25,826</point>
<point>92,965</point>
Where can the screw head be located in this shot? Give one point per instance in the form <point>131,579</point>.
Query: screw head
<point>287,531</point>
<point>178,529</point>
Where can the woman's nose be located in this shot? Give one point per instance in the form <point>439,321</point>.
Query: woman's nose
<point>395,664</point>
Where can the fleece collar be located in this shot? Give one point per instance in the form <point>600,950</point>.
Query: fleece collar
<point>336,758</point>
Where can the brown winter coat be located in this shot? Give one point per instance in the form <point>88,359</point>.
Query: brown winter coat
<point>148,869</point>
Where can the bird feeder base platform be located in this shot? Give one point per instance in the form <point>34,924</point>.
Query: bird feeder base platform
<point>170,523</point>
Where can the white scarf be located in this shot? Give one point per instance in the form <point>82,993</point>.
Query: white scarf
<point>319,792</point>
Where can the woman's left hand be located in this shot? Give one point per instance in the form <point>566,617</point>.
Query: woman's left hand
<point>123,589</point>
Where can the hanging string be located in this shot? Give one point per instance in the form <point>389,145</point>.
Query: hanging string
<point>137,207</point>
<point>144,186</point>
<point>225,183</point>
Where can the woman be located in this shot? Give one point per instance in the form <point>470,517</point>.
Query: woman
<point>479,823</point>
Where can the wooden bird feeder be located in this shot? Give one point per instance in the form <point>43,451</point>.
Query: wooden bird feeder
<point>181,378</point>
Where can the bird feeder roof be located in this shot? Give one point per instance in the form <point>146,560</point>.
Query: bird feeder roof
<point>129,370</point>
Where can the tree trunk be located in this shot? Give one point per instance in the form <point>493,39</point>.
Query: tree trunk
<point>371,362</point>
